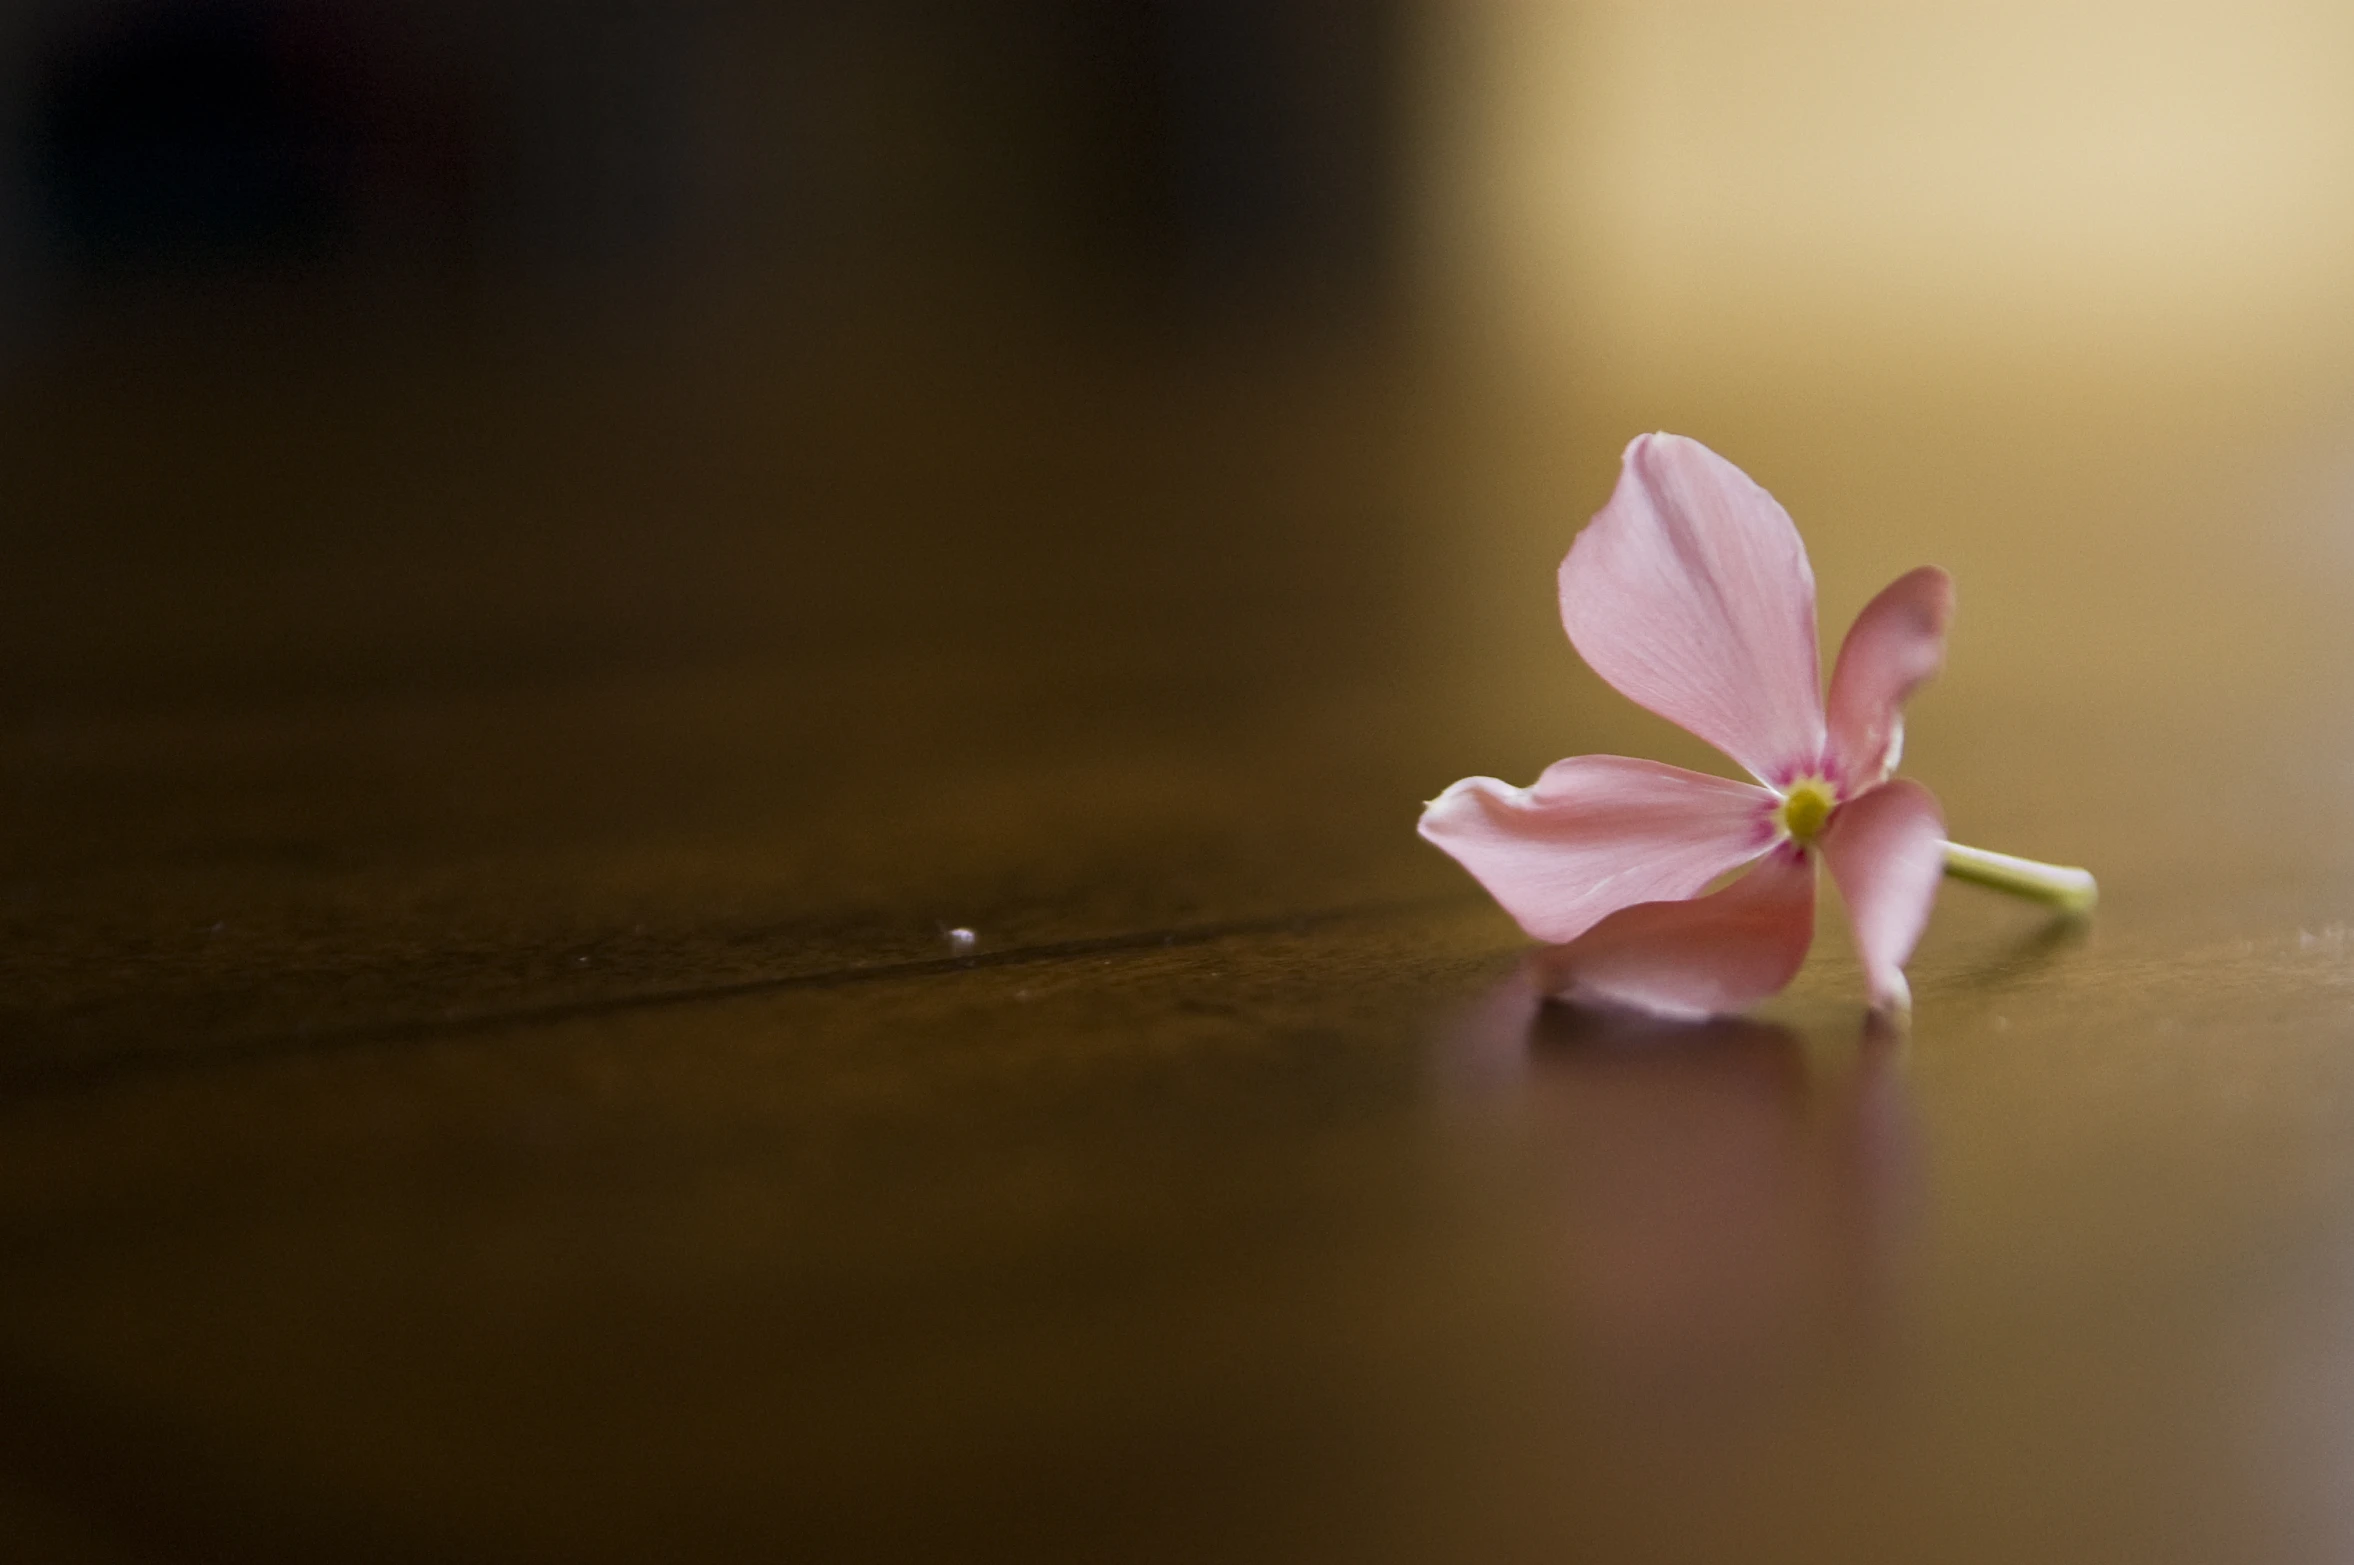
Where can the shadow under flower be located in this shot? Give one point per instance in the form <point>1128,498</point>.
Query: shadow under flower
<point>1685,1247</point>
<point>2028,955</point>
<point>1709,1206</point>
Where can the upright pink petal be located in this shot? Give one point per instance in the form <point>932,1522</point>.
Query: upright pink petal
<point>1690,592</point>
<point>1716,953</point>
<point>1598,833</point>
<point>1887,852</point>
<point>1893,647</point>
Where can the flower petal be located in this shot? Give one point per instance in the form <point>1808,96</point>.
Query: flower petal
<point>1697,958</point>
<point>1887,852</point>
<point>1895,645</point>
<point>1598,833</point>
<point>1691,593</point>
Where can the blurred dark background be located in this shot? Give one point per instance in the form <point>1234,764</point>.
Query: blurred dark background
<point>449,160</point>
<point>349,349</point>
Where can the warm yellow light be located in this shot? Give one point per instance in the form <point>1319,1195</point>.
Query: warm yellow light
<point>1644,173</point>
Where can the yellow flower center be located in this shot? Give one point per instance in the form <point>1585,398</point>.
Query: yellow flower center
<point>1805,807</point>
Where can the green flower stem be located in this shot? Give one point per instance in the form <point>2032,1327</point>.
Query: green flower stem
<point>2069,890</point>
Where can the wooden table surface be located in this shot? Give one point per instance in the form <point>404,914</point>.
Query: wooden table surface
<point>484,1074</point>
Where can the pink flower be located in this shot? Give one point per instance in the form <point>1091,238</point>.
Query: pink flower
<point>1690,592</point>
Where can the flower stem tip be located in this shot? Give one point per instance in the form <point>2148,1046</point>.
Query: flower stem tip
<point>2072,891</point>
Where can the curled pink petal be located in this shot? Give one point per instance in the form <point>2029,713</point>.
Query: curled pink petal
<point>1598,833</point>
<point>1887,852</point>
<point>1895,645</point>
<point>1700,957</point>
<point>1690,592</point>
